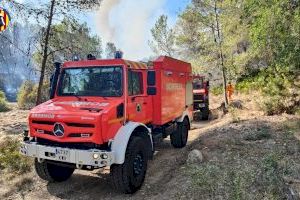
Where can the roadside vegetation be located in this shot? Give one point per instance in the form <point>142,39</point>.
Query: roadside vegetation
<point>254,160</point>
<point>15,169</point>
<point>27,94</point>
<point>3,103</point>
<point>254,44</point>
<point>11,161</point>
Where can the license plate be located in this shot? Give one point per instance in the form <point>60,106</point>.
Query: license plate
<point>202,105</point>
<point>62,154</point>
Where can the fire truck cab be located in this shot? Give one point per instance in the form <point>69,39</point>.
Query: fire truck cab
<point>109,113</point>
<point>201,96</point>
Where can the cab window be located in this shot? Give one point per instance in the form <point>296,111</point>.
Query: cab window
<point>135,83</point>
<point>198,84</point>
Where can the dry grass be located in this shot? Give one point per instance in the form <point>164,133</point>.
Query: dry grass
<point>249,160</point>
<point>11,161</point>
<point>15,169</point>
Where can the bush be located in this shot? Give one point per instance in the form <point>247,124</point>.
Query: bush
<point>282,90</point>
<point>279,86</point>
<point>217,90</point>
<point>2,95</point>
<point>234,114</point>
<point>246,86</point>
<point>273,105</point>
<point>10,158</point>
<point>28,92</point>
<point>26,98</point>
<point>3,104</point>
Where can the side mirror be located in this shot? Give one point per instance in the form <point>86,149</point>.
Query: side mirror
<point>151,91</point>
<point>54,80</point>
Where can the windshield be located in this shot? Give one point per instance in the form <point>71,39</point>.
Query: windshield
<point>91,81</point>
<point>198,84</point>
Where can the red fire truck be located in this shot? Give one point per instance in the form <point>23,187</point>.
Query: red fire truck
<point>201,96</point>
<point>109,113</point>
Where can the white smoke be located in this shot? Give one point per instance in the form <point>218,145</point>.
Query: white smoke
<point>127,23</point>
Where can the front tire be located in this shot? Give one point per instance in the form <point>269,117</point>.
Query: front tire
<point>180,136</point>
<point>205,113</point>
<point>51,172</point>
<point>129,176</point>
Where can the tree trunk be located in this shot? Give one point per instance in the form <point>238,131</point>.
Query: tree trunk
<point>45,54</point>
<point>221,55</point>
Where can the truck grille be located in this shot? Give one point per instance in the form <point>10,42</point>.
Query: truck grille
<point>80,125</point>
<point>199,97</point>
<point>74,135</point>
<point>71,129</point>
<point>43,122</point>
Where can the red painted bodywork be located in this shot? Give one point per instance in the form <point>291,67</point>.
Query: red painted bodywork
<point>168,104</point>
<point>201,95</point>
<point>172,76</point>
<point>204,90</point>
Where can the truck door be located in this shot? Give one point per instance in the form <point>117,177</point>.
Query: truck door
<point>137,100</point>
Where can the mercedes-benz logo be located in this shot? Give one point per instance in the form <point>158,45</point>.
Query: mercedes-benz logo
<point>58,130</point>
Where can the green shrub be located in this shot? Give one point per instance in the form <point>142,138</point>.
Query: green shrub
<point>273,105</point>
<point>297,112</point>
<point>10,158</point>
<point>3,104</point>
<point>279,86</point>
<point>217,90</point>
<point>246,86</point>
<point>2,95</point>
<point>28,92</point>
<point>261,135</point>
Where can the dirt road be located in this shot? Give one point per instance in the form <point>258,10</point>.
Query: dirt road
<point>96,184</point>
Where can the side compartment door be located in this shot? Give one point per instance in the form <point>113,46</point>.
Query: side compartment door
<point>137,100</point>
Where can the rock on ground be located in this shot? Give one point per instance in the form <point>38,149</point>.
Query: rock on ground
<point>194,157</point>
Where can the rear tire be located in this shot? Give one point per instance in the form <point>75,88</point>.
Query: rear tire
<point>180,136</point>
<point>129,176</point>
<point>205,113</point>
<point>51,172</point>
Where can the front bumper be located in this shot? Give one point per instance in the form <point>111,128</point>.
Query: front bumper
<point>91,157</point>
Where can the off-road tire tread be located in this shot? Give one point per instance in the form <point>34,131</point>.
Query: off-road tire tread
<point>119,175</point>
<point>177,140</point>
<point>43,171</point>
<point>205,113</point>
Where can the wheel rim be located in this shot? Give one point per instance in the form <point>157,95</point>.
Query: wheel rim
<point>138,164</point>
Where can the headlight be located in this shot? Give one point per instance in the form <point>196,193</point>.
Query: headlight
<point>104,156</point>
<point>96,156</point>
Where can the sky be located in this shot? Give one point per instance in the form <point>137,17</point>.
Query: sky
<point>127,23</point>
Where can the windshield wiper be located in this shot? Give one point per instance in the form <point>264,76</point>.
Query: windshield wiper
<point>78,97</point>
<point>73,94</point>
